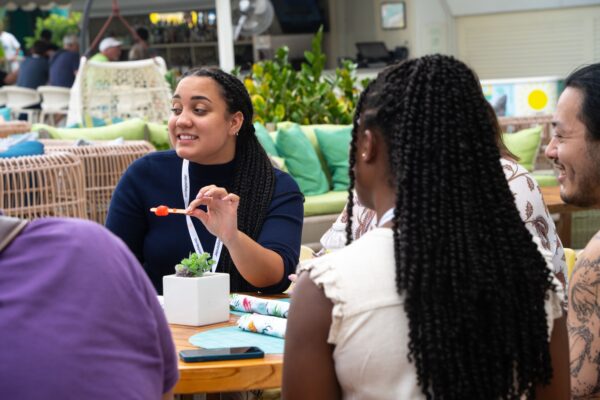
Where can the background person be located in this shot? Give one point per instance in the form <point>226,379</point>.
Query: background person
<point>46,36</point>
<point>140,50</point>
<point>255,211</point>
<point>11,47</point>
<point>109,50</point>
<point>35,68</point>
<point>575,152</point>
<point>65,63</point>
<point>78,317</point>
<point>448,297</point>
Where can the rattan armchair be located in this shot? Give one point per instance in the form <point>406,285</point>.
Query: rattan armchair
<point>104,164</point>
<point>12,127</point>
<point>44,185</point>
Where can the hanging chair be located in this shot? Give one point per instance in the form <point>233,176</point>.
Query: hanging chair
<point>119,90</point>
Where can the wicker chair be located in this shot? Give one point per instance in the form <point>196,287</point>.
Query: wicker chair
<point>103,165</point>
<point>44,185</point>
<point>10,127</point>
<point>514,124</point>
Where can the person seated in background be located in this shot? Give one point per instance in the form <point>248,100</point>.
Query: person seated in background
<point>11,49</point>
<point>78,316</point>
<point>140,50</point>
<point>8,78</point>
<point>65,63</point>
<point>575,153</point>
<point>34,69</point>
<point>252,213</point>
<point>109,50</point>
<point>46,36</point>
<point>448,297</point>
<point>528,199</point>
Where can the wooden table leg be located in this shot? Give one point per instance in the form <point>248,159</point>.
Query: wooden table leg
<point>563,228</point>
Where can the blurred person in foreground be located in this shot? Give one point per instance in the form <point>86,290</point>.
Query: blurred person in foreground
<point>78,316</point>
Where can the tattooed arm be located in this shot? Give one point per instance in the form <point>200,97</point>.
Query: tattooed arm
<point>584,324</point>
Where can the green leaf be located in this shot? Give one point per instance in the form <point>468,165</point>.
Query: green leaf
<point>195,265</point>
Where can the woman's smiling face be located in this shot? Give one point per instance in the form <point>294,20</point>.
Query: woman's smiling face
<point>201,129</point>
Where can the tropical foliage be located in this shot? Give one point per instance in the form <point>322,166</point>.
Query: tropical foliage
<point>59,26</point>
<point>308,96</point>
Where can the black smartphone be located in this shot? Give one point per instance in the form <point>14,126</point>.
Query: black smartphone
<point>224,353</point>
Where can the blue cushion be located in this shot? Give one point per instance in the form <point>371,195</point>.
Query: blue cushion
<point>5,113</point>
<point>28,148</point>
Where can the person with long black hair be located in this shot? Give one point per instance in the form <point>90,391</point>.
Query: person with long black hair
<point>253,221</point>
<point>525,190</point>
<point>449,297</point>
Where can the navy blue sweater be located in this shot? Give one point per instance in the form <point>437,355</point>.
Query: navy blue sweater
<point>159,243</point>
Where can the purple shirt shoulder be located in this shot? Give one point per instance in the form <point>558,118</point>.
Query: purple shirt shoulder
<point>78,315</point>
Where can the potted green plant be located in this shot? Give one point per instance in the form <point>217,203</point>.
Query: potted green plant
<point>194,295</point>
<point>308,96</point>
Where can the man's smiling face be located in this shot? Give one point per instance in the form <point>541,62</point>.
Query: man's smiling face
<point>575,155</point>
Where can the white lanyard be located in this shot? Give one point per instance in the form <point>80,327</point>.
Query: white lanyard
<point>386,217</point>
<point>185,187</point>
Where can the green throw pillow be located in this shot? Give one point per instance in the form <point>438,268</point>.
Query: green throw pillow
<point>301,160</point>
<point>525,145</point>
<point>265,139</point>
<point>132,129</point>
<point>159,135</point>
<point>335,145</point>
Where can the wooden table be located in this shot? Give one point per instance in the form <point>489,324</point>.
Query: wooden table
<point>224,376</point>
<point>557,206</point>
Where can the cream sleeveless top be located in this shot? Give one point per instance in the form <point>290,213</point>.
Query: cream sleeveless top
<point>369,326</point>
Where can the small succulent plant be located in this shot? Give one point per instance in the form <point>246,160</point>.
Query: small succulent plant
<point>194,266</point>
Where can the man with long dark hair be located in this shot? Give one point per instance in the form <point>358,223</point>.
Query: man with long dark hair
<point>575,152</point>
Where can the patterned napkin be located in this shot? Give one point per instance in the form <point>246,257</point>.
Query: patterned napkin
<point>243,303</point>
<point>267,325</point>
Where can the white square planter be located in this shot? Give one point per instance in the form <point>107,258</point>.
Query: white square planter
<point>196,301</point>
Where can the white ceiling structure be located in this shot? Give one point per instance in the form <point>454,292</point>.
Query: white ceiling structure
<point>132,7</point>
<point>32,5</point>
<point>471,7</point>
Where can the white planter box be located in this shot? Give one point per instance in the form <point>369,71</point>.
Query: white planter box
<point>196,301</point>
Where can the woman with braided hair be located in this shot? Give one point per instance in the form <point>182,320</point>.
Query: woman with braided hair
<point>525,190</point>
<point>241,210</point>
<point>448,298</point>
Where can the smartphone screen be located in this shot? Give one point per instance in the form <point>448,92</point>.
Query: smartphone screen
<point>224,353</point>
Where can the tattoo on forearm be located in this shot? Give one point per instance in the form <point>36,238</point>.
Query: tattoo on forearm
<point>580,347</point>
<point>585,294</point>
<point>584,327</point>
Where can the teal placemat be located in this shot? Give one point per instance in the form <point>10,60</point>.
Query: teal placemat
<point>232,336</point>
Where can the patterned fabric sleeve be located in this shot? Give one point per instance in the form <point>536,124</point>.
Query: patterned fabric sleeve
<point>535,215</point>
<point>245,303</point>
<point>363,220</point>
<point>267,325</point>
